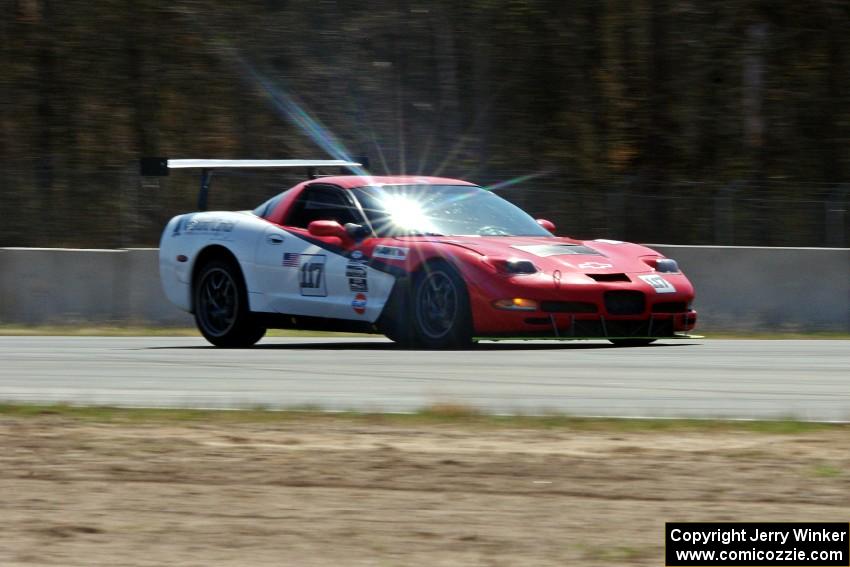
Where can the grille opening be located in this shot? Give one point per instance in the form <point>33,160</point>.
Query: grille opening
<point>567,307</point>
<point>626,302</point>
<point>670,307</point>
<point>538,321</point>
<point>609,277</point>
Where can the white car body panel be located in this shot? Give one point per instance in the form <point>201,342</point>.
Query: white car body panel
<point>283,272</point>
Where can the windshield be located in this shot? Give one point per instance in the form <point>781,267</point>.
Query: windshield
<point>443,210</point>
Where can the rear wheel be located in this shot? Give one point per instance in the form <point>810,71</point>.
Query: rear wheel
<point>441,316</point>
<point>632,342</point>
<point>221,306</point>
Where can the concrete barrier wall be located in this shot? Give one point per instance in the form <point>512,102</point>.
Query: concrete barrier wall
<point>146,302</point>
<point>769,289</point>
<point>738,288</point>
<point>41,286</point>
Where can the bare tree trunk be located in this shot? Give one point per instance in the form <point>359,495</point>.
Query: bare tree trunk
<point>836,95</point>
<point>753,94</point>
<point>46,115</point>
<point>483,89</point>
<point>593,67</point>
<point>710,100</point>
<point>137,91</point>
<point>659,99</point>
<point>631,83</point>
<point>658,157</point>
<point>449,129</point>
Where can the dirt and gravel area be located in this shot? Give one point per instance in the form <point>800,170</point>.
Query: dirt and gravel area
<point>355,491</point>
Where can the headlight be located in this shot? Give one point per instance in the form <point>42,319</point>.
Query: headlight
<point>514,266</point>
<point>666,265</point>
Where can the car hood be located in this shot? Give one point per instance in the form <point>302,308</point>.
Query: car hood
<point>557,253</point>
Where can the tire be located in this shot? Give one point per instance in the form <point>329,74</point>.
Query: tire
<point>220,302</point>
<point>632,342</point>
<point>395,320</point>
<point>440,314</point>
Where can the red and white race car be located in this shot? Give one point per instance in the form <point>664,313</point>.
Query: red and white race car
<point>427,261</point>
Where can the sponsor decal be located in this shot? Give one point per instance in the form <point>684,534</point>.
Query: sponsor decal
<point>357,255</point>
<point>556,279</point>
<point>545,250</point>
<point>359,303</point>
<point>357,275</point>
<point>312,275</point>
<point>291,259</point>
<point>659,284</point>
<point>358,284</point>
<point>390,252</point>
<point>205,226</point>
<point>595,266</point>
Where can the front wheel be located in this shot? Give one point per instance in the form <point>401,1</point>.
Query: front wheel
<point>441,316</point>
<point>221,307</point>
<point>632,342</point>
<point>395,320</point>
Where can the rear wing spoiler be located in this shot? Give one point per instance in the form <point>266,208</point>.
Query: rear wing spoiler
<point>160,167</point>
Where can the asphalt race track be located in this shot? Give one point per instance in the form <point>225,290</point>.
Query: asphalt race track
<point>685,378</point>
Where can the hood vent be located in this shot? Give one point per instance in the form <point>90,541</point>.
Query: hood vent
<point>609,277</point>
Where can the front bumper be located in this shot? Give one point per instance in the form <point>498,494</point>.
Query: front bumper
<point>600,310</point>
<point>586,326</point>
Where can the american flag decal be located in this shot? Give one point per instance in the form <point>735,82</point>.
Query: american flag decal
<point>290,259</point>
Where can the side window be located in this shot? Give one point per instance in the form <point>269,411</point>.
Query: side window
<point>322,203</point>
<point>378,217</point>
<point>268,207</point>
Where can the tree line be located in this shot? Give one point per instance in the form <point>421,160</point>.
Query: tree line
<point>663,103</point>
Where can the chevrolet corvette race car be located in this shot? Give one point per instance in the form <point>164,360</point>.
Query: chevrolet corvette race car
<point>427,261</point>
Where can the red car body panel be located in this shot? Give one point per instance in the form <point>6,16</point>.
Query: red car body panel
<point>582,280</point>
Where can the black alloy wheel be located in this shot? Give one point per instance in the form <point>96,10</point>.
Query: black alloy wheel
<point>441,314</point>
<point>221,307</point>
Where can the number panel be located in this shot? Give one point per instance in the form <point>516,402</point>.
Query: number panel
<point>659,284</point>
<point>312,275</point>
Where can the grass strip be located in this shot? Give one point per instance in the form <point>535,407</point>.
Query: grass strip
<point>437,414</point>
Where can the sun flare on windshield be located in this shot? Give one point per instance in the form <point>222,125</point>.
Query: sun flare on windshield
<point>407,213</point>
<point>441,210</point>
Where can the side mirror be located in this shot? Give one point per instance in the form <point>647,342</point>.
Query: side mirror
<point>357,232</point>
<point>327,228</point>
<point>547,224</point>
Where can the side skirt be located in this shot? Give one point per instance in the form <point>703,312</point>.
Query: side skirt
<point>306,323</point>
